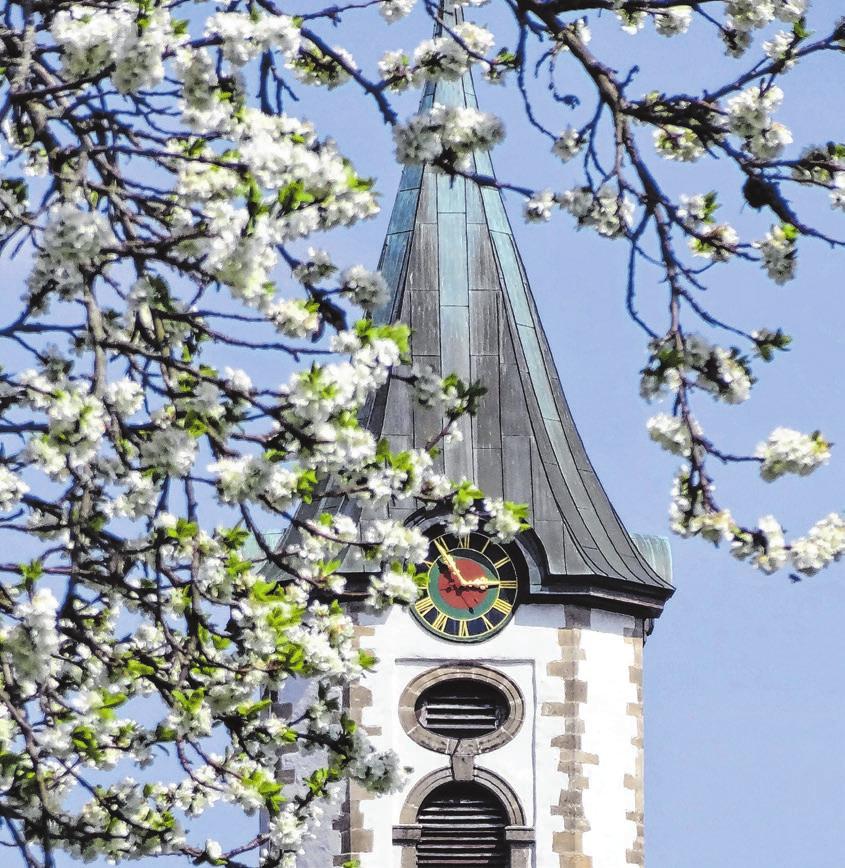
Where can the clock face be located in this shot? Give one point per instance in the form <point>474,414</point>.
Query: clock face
<point>471,590</point>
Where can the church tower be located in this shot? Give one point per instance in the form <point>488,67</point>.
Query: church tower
<point>513,687</point>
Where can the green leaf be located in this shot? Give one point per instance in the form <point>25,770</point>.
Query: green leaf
<point>137,669</point>
<point>247,710</point>
<point>31,572</point>
<point>366,659</point>
<point>799,29</point>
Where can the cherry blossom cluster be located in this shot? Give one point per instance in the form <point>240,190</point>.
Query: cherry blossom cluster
<point>446,136</point>
<point>605,210</point>
<point>157,202</point>
<point>693,362</point>
<point>789,451</point>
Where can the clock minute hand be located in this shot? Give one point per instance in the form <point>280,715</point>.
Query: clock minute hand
<point>450,562</point>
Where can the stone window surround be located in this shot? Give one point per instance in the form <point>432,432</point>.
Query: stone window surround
<point>468,747</point>
<point>519,837</point>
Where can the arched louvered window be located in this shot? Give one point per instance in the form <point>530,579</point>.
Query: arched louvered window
<point>461,708</point>
<point>462,824</point>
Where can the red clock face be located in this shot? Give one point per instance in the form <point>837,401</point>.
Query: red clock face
<point>471,590</point>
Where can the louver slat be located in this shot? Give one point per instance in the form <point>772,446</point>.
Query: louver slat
<point>462,709</point>
<point>462,825</point>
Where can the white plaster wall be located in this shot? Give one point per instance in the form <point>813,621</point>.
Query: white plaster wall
<point>608,733</point>
<point>528,763</point>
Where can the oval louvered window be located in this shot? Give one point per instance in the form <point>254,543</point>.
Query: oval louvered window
<point>463,824</point>
<point>462,708</point>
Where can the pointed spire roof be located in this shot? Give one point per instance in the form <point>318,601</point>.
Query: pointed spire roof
<point>457,279</point>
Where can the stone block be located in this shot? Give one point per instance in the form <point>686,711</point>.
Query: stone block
<point>576,861</point>
<point>360,696</point>
<point>562,668</point>
<point>572,652</point>
<point>568,638</point>
<point>567,741</point>
<point>567,842</point>
<point>575,690</point>
<point>553,709</point>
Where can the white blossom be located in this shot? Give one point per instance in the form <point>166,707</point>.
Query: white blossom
<point>170,449</point>
<point>330,70</point>
<point>688,517</point>
<point>450,132</point>
<point>503,521</point>
<point>238,380</point>
<point>673,21</point>
<point>449,57</point>
<point>568,144</point>
<point>73,241</point>
<point>607,211</point>
<point>293,317</point>
<point>779,254</point>
<point>538,208</point>
<point>365,288</point>
<point>672,433</point>
<point>396,67</point>
<point>139,497</point>
<point>678,143</point>
<point>632,22</point>
<point>749,117</point>
<point>393,10</point>
<point>837,194</point>
<point>125,396</point>
<point>823,544</point>
<point>790,451</point>
<point>717,242</point>
<point>379,771</point>
<point>780,47</point>
<point>315,268</point>
<point>32,644</point>
<point>12,489</point>
<point>765,547</point>
<point>693,209</point>
<point>245,36</point>
<point>392,586</point>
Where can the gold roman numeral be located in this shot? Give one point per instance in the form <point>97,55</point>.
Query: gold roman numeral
<point>439,622</point>
<point>463,630</point>
<point>463,541</point>
<point>502,562</point>
<point>486,543</point>
<point>502,606</point>
<point>488,624</point>
<point>508,583</point>
<point>424,605</point>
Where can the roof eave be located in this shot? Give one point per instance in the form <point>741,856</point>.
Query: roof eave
<point>604,592</point>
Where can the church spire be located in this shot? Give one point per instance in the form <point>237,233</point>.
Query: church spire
<point>456,277</point>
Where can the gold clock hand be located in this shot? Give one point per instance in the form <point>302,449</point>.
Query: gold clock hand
<point>443,550</point>
<point>482,583</point>
<point>450,562</point>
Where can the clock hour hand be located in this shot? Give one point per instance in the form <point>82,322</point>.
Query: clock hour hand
<point>483,583</point>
